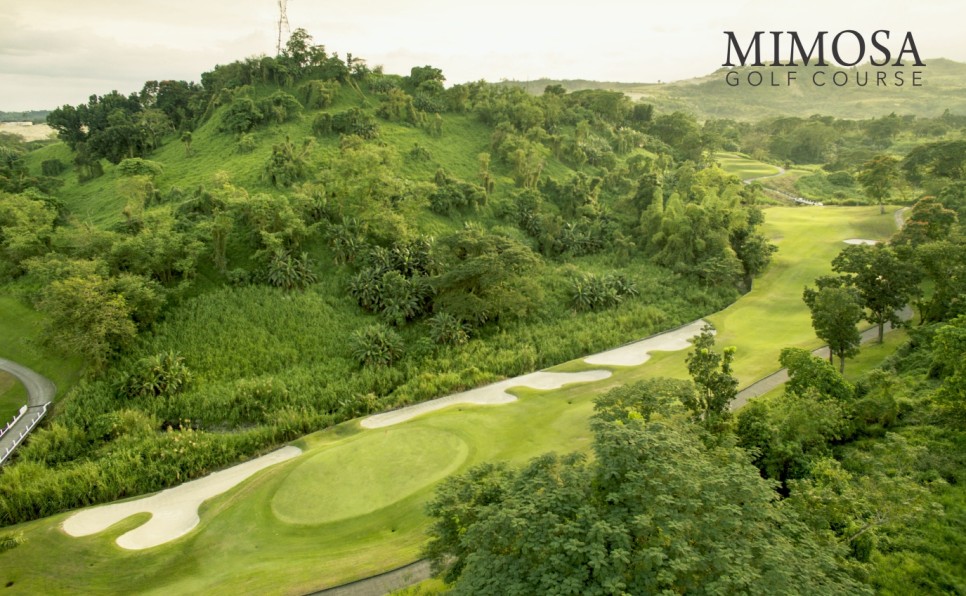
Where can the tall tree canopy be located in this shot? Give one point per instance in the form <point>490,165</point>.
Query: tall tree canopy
<point>655,511</point>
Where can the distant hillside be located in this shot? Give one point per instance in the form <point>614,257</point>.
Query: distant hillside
<point>943,87</point>
<point>35,116</point>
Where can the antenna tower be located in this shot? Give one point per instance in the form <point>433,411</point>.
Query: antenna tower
<point>283,26</point>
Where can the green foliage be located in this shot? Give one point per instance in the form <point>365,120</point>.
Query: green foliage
<point>878,177</point>
<point>53,167</point>
<point>948,353</point>
<point>246,143</point>
<point>376,345</point>
<point>835,313</point>
<point>140,167</point>
<point>160,375</point>
<point>484,277</point>
<point>316,95</point>
<point>289,272</point>
<point>447,330</point>
<point>455,195</point>
<point>288,164</point>
<point>648,399</point>
<point>884,279</point>
<point>353,121</point>
<point>241,116</point>
<point>86,316</point>
<point>277,108</point>
<point>712,374</point>
<point>10,541</point>
<point>654,511</point>
<point>26,227</point>
<point>808,375</point>
<point>593,292</point>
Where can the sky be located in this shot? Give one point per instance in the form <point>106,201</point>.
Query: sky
<point>54,52</point>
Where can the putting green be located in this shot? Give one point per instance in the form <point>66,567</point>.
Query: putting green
<point>366,473</point>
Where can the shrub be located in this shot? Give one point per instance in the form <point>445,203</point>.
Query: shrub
<point>590,292</point>
<point>452,194</point>
<point>841,178</point>
<point>241,116</point>
<point>376,345</point>
<point>445,329</point>
<point>318,94</point>
<point>160,375</point>
<point>246,144</point>
<point>52,167</point>
<point>290,273</point>
<point>136,166</point>
<point>350,122</point>
<point>279,107</point>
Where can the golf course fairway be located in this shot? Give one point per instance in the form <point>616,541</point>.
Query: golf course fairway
<point>352,505</point>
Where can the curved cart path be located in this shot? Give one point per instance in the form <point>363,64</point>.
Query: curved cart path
<point>40,392</point>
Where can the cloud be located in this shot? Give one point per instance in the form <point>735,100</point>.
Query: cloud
<point>50,47</point>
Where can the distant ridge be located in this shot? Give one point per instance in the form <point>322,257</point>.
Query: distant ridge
<point>709,96</point>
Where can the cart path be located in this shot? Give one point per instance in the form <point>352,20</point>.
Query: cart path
<point>40,392</point>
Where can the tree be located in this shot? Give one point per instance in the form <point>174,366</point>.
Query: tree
<point>484,277</point>
<point>944,264</point>
<point>654,512</point>
<point>927,221</point>
<point>26,226</point>
<point>755,252</point>
<point>949,356</point>
<point>186,139</point>
<point>810,375</point>
<point>786,435</point>
<point>878,176</point>
<point>86,318</point>
<point>885,282</point>
<point>711,372</point>
<point>835,313</point>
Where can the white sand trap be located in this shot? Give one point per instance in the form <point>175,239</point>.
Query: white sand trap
<point>639,352</point>
<point>860,241</point>
<point>174,512</point>
<point>487,395</point>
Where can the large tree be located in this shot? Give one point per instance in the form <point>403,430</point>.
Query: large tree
<point>878,177</point>
<point>712,375</point>
<point>835,313</point>
<point>88,318</point>
<point>484,277</point>
<point>885,281</point>
<point>655,511</point>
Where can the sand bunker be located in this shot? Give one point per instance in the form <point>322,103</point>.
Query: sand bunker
<point>487,395</point>
<point>639,352</point>
<point>860,241</point>
<point>174,512</point>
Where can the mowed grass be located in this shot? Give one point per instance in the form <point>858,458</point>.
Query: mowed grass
<point>20,326</point>
<point>241,545</point>
<point>12,396</point>
<point>743,166</point>
<point>356,477</point>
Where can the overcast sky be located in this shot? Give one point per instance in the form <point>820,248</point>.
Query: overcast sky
<point>54,52</point>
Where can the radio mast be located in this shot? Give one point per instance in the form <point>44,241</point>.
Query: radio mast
<point>283,26</point>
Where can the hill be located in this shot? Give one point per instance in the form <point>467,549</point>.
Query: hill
<point>943,88</point>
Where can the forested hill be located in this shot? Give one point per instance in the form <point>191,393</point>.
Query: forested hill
<point>943,88</point>
<point>299,240</point>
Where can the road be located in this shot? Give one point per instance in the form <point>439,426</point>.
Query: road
<point>40,392</point>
